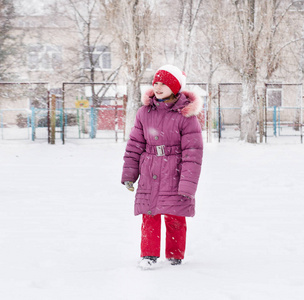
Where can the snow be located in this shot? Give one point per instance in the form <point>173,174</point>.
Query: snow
<point>68,230</point>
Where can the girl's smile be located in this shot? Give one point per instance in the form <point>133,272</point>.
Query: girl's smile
<point>161,90</point>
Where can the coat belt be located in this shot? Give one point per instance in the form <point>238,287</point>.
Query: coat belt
<point>162,150</point>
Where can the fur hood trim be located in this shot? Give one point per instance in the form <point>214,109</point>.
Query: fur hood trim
<point>191,105</point>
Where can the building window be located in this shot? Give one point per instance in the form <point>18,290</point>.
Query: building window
<point>274,95</point>
<point>44,57</point>
<point>98,57</point>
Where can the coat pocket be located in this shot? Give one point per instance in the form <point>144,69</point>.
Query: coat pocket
<point>171,198</point>
<point>143,196</point>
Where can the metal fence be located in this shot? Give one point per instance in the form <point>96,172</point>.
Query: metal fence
<point>279,122</point>
<point>106,122</point>
<point>284,122</point>
<point>227,122</point>
<point>275,119</point>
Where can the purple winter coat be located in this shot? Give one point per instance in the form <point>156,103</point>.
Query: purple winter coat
<point>166,149</point>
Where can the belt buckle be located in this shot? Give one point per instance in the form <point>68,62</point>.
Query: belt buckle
<point>160,150</point>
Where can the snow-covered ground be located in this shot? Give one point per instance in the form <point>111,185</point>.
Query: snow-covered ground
<point>67,229</point>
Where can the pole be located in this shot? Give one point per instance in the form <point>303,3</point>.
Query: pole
<point>1,122</point>
<point>261,118</point>
<point>279,120</point>
<point>48,117</point>
<point>125,100</point>
<point>219,114</point>
<point>33,124</point>
<point>301,114</point>
<point>53,119</point>
<point>62,122</point>
<point>116,122</point>
<point>78,123</point>
<point>274,120</point>
<point>209,115</point>
<point>92,133</point>
<point>265,97</point>
<point>63,107</point>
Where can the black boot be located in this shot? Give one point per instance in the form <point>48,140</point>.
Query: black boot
<point>151,259</point>
<point>147,262</point>
<point>175,261</point>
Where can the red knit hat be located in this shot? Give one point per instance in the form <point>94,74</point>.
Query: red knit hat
<point>171,76</point>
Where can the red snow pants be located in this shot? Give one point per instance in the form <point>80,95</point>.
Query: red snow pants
<point>175,236</point>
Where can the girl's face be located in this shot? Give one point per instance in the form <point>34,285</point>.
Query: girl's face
<point>161,90</point>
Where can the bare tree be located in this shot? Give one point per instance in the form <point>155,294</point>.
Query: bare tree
<point>8,45</point>
<point>132,22</point>
<point>278,36</point>
<point>178,30</point>
<point>239,51</point>
<point>94,47</point>
<point>207,60</point>
<point>192,9</point>
<point>250,39</point>
<point>92,61</point>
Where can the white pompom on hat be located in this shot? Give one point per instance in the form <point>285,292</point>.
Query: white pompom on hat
<point>171,76</point>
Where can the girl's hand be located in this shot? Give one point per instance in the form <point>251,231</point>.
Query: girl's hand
<point>129,185</point>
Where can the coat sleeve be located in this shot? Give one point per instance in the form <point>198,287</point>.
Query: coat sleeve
<point>135,147</point>
<point>192,156</point>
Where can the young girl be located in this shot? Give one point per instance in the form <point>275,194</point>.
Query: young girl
<point>165,149</point>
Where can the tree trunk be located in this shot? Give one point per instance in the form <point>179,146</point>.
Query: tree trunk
<point>133,104</point>
<point>248,111</point>
<point>249,80</point>
<point>261,105</point>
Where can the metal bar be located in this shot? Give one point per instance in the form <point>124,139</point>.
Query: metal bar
<point>95,83</point>
<point>196,83</point>
<point>116,122</point>
<point>282,84</point>
<point>63,103</point>
<point>62,121</point>
<point>23,83</point>
<point>92,117</point>
<point>1,122</point>
<point>33,124</point>
<point>206,113</point>
<point>274,119</point>
<point>219,113</point>
<point>281,107</point>
<point>279,120</point>
<point>53,119</point>
<point>188,83</point>
<point>48,118</point>
<point>301,115</point>
<point>28,125</point>
<point>265,130</point>
<point>232,83</point>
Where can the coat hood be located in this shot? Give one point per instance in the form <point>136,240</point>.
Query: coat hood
<point>188,103</point>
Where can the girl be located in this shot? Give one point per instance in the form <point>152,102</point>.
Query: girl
<point>165,149</point>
